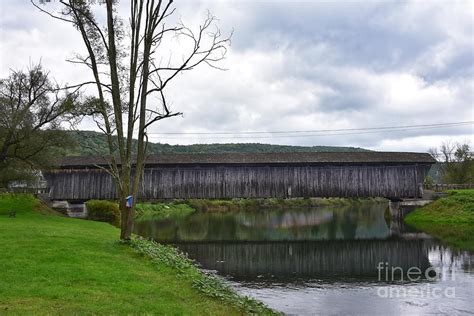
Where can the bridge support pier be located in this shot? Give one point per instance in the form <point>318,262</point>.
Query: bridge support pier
<point>400,208</point>
<point>398,211</point>
<point>394,208</point>
<point>396,218</point>
<point>71,209</point>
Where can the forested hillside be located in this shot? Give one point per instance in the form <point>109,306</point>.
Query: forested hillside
<point>93,143</point>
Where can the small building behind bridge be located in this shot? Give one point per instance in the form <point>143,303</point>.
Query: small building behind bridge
<point>250,175</point>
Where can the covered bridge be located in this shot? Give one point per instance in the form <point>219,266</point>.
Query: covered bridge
<point>251,175</point>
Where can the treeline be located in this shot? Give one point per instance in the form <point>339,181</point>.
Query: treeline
<point>94,143</point>
<point>455,164</point>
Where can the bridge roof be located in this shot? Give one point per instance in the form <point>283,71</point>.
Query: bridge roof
<point>369,157</point>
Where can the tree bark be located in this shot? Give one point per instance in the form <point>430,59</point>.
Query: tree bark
<point>126,220</point>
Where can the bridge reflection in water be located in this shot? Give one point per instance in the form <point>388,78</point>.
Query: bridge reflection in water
<point>319,242</point>
<point>307,258</point>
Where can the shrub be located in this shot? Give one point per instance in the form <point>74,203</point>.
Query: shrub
<point>104,211</point>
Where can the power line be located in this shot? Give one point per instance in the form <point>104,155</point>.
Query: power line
<point>334,132</point>
<point>421,126</point>
<point>448,154</point>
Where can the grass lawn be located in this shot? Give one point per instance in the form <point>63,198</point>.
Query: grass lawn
<point>58,265</point>
<point>450,219</point>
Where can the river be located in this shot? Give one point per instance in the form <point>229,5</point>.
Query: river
<point>335,260</point>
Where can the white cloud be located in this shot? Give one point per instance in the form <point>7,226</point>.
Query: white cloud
<point>422,143</point>
<point>302,67</point>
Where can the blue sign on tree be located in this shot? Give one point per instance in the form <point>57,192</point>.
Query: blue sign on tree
<point>129,201</point>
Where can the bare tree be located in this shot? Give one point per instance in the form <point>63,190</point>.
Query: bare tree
<point>131,74</point>
<point>33,108</point>
<point>433,151</point>
<point>447,149</point>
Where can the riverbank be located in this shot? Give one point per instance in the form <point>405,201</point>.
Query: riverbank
<point>258,204</point>
<point>160,211</point>
<point>182,208</point>
<point>450,219</point>
<point>57,265</point>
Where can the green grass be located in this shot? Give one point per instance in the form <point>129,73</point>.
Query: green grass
<point>158,211</point>
<point>57,265</point>
<point>450,219</point>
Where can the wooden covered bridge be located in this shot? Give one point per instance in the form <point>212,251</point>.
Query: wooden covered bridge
<point>251,175</point>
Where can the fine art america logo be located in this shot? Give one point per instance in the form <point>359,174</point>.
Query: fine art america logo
<point>430,289</point>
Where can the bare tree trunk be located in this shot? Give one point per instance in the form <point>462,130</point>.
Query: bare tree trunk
<point>123,218</point>
<point>126,220</point>
<point>126,213</point>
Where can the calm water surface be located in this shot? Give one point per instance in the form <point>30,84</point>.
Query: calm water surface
<point>328,260</point>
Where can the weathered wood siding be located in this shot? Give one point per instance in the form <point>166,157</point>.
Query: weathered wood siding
<point>227,181</point>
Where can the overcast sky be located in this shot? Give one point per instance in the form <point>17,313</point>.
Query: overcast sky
<point>307,65</point>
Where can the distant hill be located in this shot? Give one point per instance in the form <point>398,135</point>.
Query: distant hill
<point>94,143</point>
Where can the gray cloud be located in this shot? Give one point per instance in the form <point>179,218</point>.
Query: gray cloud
<point>302,66</point>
